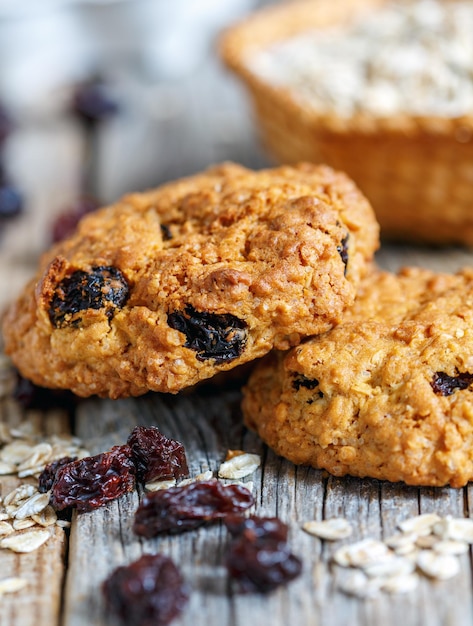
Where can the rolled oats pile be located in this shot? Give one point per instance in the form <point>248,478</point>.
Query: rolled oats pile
<point>414,57</point>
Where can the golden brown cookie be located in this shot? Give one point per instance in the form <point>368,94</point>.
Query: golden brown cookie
<point>167,288</point>
<point>386,394</point>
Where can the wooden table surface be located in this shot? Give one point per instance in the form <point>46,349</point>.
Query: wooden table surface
<point>190,123</point>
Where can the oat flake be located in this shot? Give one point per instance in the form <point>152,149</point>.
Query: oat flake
<point>239,466</point>
<point>25,542</point>
<point>12,585</point>
<point>330,529</point>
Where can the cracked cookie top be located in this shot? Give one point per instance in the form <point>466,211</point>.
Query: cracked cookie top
<point>168,287</point>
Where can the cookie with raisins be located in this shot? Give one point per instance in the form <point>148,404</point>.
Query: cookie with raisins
<point>387,394</point>
<point>167,288</point>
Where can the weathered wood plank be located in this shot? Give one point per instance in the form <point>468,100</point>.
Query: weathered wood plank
<point>40,602</point>
<point>208,426</point>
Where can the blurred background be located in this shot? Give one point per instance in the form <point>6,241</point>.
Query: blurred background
<point>158,104</point>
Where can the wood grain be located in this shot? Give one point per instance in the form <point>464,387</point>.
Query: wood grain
<point>208,426</point>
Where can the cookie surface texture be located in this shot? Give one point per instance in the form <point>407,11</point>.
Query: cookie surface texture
<point>166,288</point>
<point>387,394</point>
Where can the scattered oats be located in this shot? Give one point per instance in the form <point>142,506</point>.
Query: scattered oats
<point>450,546</point>
<point>40,456</point>
<point>406,550</point>
<point>239,466</point>
<point>7,468</point>
<point>420,524</point>
<point>17,495</point>
<point>4,516</point>
<point>5,528</point>
<point>460,529</point>
<point>22,524</point>
<point>157,485</point>
<point>401,540</point>
<point>427,541</point>
<point>32,471</point>
<point>440,566</point>
<point>362,553</point>
<point>11,585</point>
<point>395,566</point>
<point>203,476</point>
<point>46,517</point>
<point>330,530</point>
<point>25,542</point>
<point>63,523</point>
<point>442,527</point>
<point>401,584</point>
<point>412,556</point>
<point>33,505</point>
<point>16,452</point>
<point>359,585</point>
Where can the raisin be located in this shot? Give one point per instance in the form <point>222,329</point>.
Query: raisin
<point>221,337</point>
<point>148,592</point>
<point>6,125</point>
<point>184,508</point>
<point>253,527</point>
<point>302,381</point>
<point>93,481</point>
<point>258,557</point>
<point>30,396</point>
<point>342,249</point>
<point>446,385</point>
<point>66,222</point>
<point>156,456</point>
<point>308,383</point>
<point>11,201</point>
<point>47,476</point>
<point>92,102</point>
<point>166,232</point>
<point>103,287</point>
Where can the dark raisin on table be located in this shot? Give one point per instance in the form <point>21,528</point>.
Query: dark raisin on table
<point>259,558</point>
<point>93,481</point>
<point>65,224</point>
<point>6,125</point>
<point>253,527</point>
<point>221,337</point>
<point>92,101</point>
<point>184,508</point>
<point>11,201</point>
<point>30,396</point>
<point>48,475</point>
<point>149,592</point>
<point>156,457</point>
<point>445,385</point>
<point>103,287</point>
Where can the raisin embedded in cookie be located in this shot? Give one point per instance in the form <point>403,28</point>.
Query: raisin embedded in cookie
<point>387,394</point>
<point>169,287</point>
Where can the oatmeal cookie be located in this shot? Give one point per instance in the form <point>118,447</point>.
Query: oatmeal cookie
<point>386,394</point>
<point>166,288</point>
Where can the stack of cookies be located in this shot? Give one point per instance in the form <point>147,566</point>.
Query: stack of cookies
<point>364,372</point>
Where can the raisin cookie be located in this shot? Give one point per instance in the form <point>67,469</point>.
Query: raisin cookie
<point>166,288</point>
<point>387,394</point>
